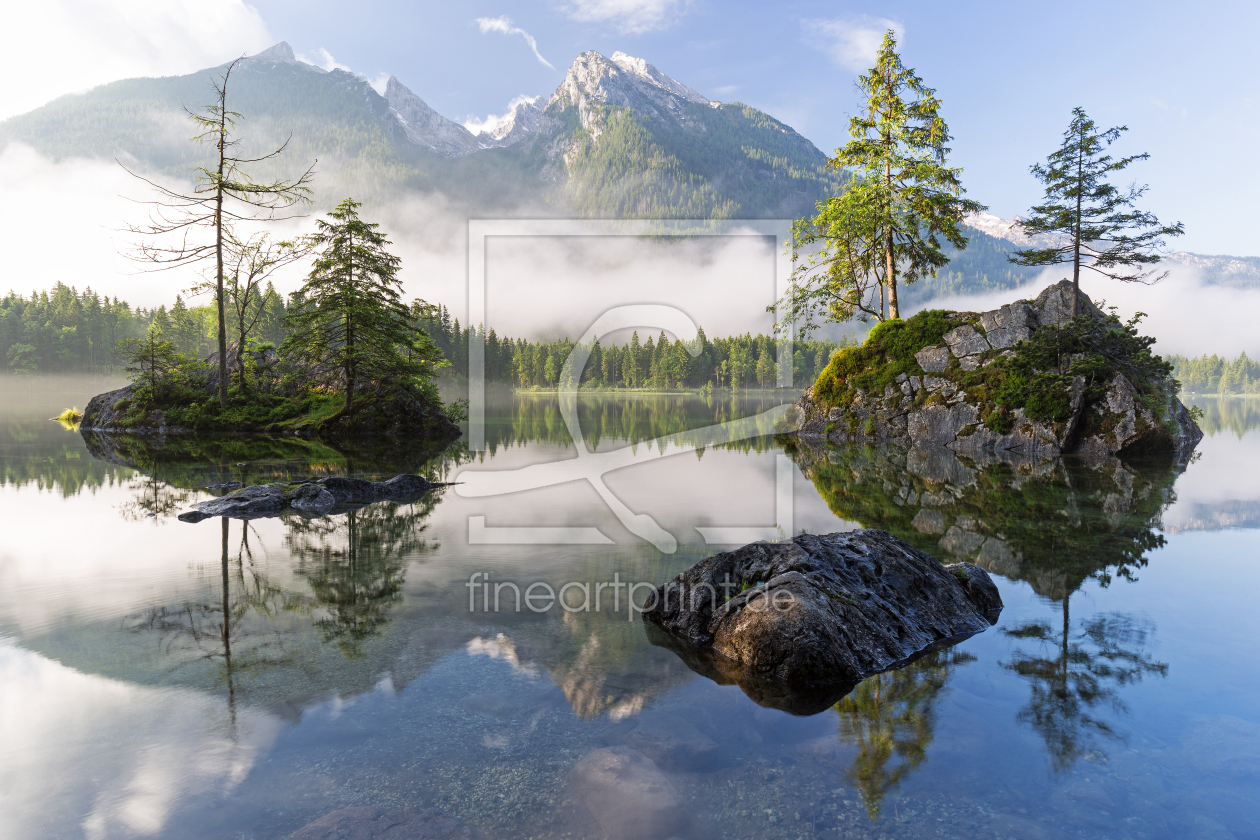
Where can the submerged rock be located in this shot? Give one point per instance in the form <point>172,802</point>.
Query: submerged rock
<point>310,498</point>
<point>628,795</point>
<point>368,823</point>
<point>796,623</point>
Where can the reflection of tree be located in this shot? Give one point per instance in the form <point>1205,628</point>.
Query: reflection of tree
<point>154,497</point>
<point>1082,674</point>
<point>890,718</point>
<point>355,565</point>
<point>234,625</point>
<point>1054,524</point>
<point>616,418</point>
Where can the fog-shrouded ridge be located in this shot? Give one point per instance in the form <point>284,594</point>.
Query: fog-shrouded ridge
<point>65,219</point>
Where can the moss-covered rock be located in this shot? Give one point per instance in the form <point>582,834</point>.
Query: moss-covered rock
<point>1025,378</point>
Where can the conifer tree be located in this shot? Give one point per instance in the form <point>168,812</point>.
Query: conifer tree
<point>1094,222</point>
<point>352,323</point>
<point>149,359</point>
<point>891,223</point>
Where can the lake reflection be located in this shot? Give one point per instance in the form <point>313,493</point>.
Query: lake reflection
<point>163,679</point>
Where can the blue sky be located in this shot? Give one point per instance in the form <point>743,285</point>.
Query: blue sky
<point>1181,77</point>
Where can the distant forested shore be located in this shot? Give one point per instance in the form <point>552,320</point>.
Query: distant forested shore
<point>63,330</point>
<point>1217,374</point>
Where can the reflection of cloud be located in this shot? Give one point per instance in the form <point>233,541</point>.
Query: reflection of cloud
<point>165,744</point>
<point>501,647</point>
<point>852,43</point>
<point>1221,489</point>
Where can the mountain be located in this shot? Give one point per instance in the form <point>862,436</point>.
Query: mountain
<point>617,138</point>
<point>1237,272</point>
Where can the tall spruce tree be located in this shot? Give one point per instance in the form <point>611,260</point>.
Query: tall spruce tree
<point>351,325</point>
<point>889,224</point>
<point>1093,222</point>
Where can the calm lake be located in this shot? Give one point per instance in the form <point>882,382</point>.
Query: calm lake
<point>233,679</point>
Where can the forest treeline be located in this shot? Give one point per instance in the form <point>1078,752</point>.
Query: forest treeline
<point>67,331</point>
<point>1217,374</point>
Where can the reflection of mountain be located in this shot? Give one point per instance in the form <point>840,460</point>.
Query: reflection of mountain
<point>1053,524</point>
<point>890,718</point>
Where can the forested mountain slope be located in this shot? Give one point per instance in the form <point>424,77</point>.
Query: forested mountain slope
<point>616,139</point>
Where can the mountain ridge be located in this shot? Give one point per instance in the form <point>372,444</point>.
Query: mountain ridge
<point>616,138</point>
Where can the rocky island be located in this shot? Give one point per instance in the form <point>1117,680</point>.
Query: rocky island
<point>1025,380</point>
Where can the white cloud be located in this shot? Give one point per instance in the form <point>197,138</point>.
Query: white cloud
<point>67,46</point>
<point>479,126</point>
<point>323,58</point>
<point>504,24</point>
<point>379,81</point>
<point>628,15</point>
<point>852,43</point>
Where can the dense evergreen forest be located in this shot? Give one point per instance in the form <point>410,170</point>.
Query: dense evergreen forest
<point>67,331</point>
<point>1217,375</point>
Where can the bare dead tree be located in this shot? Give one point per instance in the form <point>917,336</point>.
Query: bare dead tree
<point>225,195</point>
<point>250,263</point>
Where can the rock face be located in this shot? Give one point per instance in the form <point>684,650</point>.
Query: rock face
<point>311,498</point>
<point>425,127</point>
<point>935,409</point>
<point>821,611</point>
<point>628,795</point>
<point>368,823</point>
<point>104,413</point>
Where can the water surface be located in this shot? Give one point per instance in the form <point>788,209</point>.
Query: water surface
<point>230,679</point>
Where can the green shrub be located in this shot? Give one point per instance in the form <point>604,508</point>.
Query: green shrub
<point>887,353</point>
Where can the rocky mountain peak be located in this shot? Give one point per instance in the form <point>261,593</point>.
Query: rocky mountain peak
<point>648,73</point>
<point>424,126</point>
<point>625,82</point>
<point>520,121</point>
<point>281,52</point>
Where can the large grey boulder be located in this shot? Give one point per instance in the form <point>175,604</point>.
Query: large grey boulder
<point>818,612</point>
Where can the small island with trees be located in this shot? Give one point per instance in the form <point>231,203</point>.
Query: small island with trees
<point>352,362</point>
